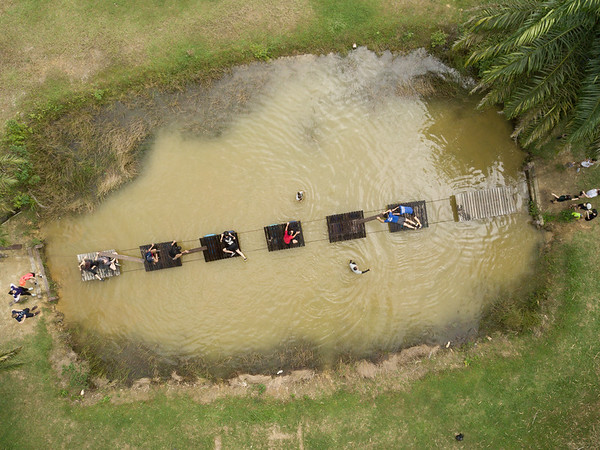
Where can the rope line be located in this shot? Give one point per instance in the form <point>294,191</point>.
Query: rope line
<point>262,249</point>
<point>368,212</point>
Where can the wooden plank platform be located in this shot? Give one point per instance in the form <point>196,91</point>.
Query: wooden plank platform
<point>420,210</point>
<point>214,247</point>
<point>481,204</point>
<point>164,260</point>
<point>344,227</point>
<point>104,272</point>
<point>274,236</point>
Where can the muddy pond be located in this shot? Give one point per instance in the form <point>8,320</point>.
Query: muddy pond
<point>354,133</point>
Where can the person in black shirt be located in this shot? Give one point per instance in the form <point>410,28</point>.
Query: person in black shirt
<point>231,245</point>
<point>175,251</point>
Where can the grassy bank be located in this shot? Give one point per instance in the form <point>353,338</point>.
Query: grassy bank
<point>539,392</point>
<point>83,62</point>
<point>75,71</point>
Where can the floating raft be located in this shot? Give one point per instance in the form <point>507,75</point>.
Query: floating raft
<point>214,247</point>
<point>420,210</point>
<point>347,226</point>
<point>103,271</point>
<point>164,260</point>
<point>274,236</point>
<point>485,203</point>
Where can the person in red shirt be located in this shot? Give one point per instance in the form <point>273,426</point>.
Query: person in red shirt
<point>28,276</point>
<point>290,236</point>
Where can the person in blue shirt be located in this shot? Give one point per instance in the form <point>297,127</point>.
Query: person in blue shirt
<point>151,255</point>
<point>21,314</point>
<point>390,216</point>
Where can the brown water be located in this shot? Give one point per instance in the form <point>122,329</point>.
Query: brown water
<point>345,131</point>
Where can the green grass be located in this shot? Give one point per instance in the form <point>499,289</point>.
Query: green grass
<point>543,395</point>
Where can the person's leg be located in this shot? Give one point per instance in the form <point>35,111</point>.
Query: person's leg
<point>408,225</point>
<point>239,252</point>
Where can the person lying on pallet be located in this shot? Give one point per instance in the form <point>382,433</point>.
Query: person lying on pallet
<point>105,261</point>
<point>88,265</point>
<point>289,236</point>
<point>232,247</point>
<point>175,251</point>
<point>151,255</point>
<point>390,216</point>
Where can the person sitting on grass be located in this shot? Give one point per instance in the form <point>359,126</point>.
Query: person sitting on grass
<point>21,314</point>
<point>151,255</point>
<point>87,265</point>
<point>289,236</point>
<point>390,217</point>
<point>232,246</point>
<point>563,198</point>
<point>28,276</point>
<point>590,194</point>
<point>17,291</point>
<point>175,251</point>
<point>590,214</point>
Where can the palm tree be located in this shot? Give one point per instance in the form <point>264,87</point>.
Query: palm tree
<point>7,356</point>
<point>540,60</point>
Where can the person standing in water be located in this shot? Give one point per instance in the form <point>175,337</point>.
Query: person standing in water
<point>355,269</point>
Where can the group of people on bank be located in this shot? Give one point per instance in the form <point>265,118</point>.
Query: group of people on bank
<point>20,291</point>
<point>582,210</point>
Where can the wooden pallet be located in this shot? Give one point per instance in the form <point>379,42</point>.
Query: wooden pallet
<point>346,226</point>
<point>214,247</point>
<point>164,260</point>
<point>274,236</point>
<point>420,211</point>
<point>481,204</point>
<point>103,271</point>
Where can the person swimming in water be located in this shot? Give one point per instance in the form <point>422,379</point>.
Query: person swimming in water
<point>355,269</point>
